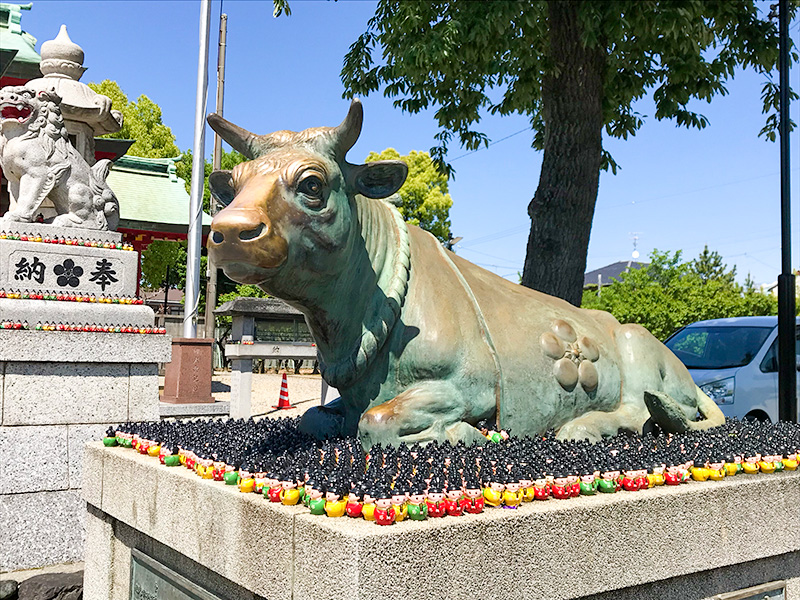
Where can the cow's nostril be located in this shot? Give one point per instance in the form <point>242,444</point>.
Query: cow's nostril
<point>217,237</point>
<point>251,234</point>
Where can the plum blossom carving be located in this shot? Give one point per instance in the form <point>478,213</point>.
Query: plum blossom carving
<point>68,273</point>
<point>573,357</point>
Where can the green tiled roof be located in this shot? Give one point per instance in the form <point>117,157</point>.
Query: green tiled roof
<point>151,195</point>
<point>25,64</point>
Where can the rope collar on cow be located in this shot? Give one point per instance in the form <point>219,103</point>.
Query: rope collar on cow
<point>384,233</point>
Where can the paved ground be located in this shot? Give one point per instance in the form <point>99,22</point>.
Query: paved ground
<point>304,392</point>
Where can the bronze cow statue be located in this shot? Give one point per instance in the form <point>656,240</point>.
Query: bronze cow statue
<point>420,343</point>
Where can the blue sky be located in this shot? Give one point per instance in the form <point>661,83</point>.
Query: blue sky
<point>678,189</point>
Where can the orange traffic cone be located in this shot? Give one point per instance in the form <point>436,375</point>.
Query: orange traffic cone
<point>283,401</point>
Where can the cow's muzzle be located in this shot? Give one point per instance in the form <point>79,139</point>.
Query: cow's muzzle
<point>245,245</point>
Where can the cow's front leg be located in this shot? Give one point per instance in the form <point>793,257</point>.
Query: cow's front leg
<point>597,424</point>
<point>432,410</point>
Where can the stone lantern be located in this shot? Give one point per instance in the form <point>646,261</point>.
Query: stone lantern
<point>86,113</point>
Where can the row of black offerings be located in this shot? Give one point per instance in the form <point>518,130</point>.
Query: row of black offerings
<point>390,484</point>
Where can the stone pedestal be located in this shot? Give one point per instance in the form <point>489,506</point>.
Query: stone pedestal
<point>188,376</point>
<point>59,389</point>
<point>694,541</point>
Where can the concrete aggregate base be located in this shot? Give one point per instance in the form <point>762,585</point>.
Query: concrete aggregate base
<point>41,528</point>
<point>691,542</point>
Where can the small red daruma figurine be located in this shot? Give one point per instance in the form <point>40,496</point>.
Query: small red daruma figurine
<point>434,499</point>
<point>384,511</point>
<point>452,501</point>
<point>472,502</point>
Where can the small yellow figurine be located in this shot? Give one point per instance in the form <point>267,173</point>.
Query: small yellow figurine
<point>493,492</point>
<point>750,464</point>
<point>289,495</point>
<point>335,505</point>
<point>716,470</point>
<point>246,481</point>
<point>699,471</point>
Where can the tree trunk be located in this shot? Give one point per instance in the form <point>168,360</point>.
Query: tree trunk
<point>562,210</point>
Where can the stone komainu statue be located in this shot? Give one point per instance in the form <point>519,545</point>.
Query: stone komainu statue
<point>39,162</point>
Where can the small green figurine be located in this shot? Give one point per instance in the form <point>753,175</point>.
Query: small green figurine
<point>111,438</point>
<point>171,458</point>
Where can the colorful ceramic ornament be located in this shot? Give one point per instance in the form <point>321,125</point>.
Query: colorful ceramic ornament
<point>399,503</point>
<point>335,504</point>
<point>289,494</point>
<point>512,496</point>
<point>716,470</point>
<point>111,438</point>
<point>750,464</point>
<point>541,489</point>
<point>588,485</point>
<point>417,507</point>
<point>275,488</point>
<point>368,507</point>
<point>434,500</point>
<point>171,457</point>
<point>316,500</point>
<point>384,512</point>
<point>493,492</point>
<point>354,505</point>
<point>561,489</point>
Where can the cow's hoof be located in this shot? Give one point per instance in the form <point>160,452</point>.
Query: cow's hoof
<point>578,431</point>
<point>322,422</point>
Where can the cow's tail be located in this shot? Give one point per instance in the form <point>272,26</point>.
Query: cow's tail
<point>669,414</point>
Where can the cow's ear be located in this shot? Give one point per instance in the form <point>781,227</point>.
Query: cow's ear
<point>221,185</point>
<point>379,179</point>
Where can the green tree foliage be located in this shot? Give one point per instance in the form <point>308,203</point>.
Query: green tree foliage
<point>425,198</point>
<point>709,267</point>
<point>576,69</point>
<point>241,290</point>
<point>155,259</point>
<point>142,122</point>
<point>668,294</point>
<point>184,170</point>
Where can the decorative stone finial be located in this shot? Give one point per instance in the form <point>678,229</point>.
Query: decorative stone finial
<point>62,57</point>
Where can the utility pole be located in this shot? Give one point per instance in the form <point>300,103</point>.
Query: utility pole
<point>787,362</point>
<point>195,236</point>
<point>211,283</point>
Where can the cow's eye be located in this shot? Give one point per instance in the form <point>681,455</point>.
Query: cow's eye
<point>311,186</point>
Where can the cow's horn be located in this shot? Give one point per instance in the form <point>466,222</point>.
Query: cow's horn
<point>249,144</point>
<point>346,134</point>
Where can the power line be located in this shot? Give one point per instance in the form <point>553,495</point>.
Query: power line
<point>495,236</point>
<point>687,192</point>
<point>491,144</point>
<point>484,254</point>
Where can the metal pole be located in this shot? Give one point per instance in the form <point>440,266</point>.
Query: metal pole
<point>787,362</point>
<point>166,292</point>
<point>195,236</point>
<point>211,284</point>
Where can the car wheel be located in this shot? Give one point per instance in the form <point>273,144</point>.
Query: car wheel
<point>757,415</point>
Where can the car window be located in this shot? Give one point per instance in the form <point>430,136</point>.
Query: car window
<point>770,362</point>
<point>718,347</point>
<point>693,343</point>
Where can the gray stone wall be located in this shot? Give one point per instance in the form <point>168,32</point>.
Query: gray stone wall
<point>48,412</point>
<point>694,541</point>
